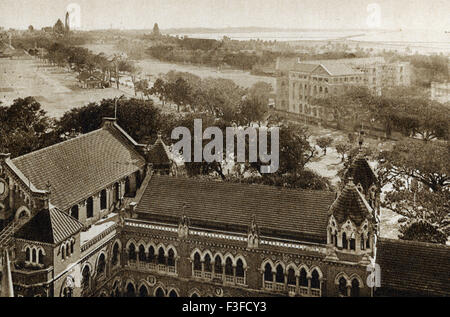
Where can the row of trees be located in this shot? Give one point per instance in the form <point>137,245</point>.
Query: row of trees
<point>406,110</point>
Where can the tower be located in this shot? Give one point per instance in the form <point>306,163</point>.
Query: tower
<point>67,22</point>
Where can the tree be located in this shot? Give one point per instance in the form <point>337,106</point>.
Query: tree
<point>160,89</point>
<point>58,28</point>
<point>251,110</point>
<point>180,93</point>
<point>343,148</point>
<point>24,127</point>
<point>30,28</point>
<point>139,118</point>
<point>261,91</point>
<point>324,142</point>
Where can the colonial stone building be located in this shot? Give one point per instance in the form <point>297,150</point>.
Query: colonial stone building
<point>101,215</point>
<point>298,82</point>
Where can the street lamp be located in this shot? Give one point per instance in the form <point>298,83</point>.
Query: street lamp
<point>115,105</point>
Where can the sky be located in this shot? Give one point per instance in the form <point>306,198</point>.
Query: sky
<point>310,14</point>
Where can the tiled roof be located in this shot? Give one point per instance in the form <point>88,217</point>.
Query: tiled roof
<point>296,213</point>
<point>361,172</point>
<point>49,226</point>
<point>339,69</point>
<point>415,267</point>
<point>333,67</point>
<point>80,167</point>
<point>350,204</point>
<point>157,153</point>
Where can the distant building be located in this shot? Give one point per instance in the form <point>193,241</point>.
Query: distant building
<point>440,91</point>
<point>300,81</point>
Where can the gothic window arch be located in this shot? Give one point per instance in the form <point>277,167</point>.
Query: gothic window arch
<point>115,254</point>
<point>151,254</point>
<point>315,279</point>
<point>291,278</point>
<point>228,266</point>
<point>207,263</point>
<point>303,278</point>
<point>218,265</point>
<point>101,264</point>
<point>142,256</point>
<point>344,241</point>
<point>171,257</point>
<point>279,274</point>
<point>132,252</point>
<point>161,256</point>
<point>268,275</point>
<point>86,277</point>
<point>41,256</point>
<point>354,291</point>
<point>197,262</point>
<point>143,291</point>
<point>342,286</point>
<point>173,293</point>
<point>27,254</point>
<point>240,271</point>
<point>159,292</point>
<point>130,290</point>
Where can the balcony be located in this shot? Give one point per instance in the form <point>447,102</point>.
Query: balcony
<point>229,279</point>
<point>303,290</point>
<point>315,292</point>
<point>207,275</point>
<point>171,269</point>
<point>268,285</point>
<point>198,274</point>
<point>291,288</point>
<point>279,287</point>
<point>30,275</point>
<point>240,280</point>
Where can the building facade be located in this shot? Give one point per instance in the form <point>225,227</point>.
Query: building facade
<point>121,222</point>
<point>298,82</point>
<point>440,92</point>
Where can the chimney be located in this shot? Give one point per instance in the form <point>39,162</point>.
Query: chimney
<point>107,121</point>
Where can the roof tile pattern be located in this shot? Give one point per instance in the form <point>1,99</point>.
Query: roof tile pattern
<point>49,226</point>
<point>414,266</point>
<point>80,167</point>
<point>350,204</point>
<point>300,212</point>
<point>157,153</point>
<point>362,173</point>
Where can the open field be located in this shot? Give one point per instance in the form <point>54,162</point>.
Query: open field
<point>152,68</point>
<point>56,89</point>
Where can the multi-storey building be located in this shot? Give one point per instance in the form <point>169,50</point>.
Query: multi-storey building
<point>440,92</point>
<point>101,215</point>
<point>300,81</point>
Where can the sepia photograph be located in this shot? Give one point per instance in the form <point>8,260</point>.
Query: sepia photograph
<point>240,150</point>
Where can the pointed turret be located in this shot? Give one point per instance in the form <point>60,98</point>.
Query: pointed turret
<point>7,284</point>
<point>158,157</point>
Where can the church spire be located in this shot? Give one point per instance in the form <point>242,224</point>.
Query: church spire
<point>7,285</point>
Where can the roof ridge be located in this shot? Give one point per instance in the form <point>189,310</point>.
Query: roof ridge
<point>219,181</point>
<point>414,242</point>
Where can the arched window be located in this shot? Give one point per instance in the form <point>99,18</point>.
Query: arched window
<point>90,207</point>
<point>291,280</point>
<point>103,199</point>
<point>268,275</point>
<point>161,256</point>
<point>143,292</point>
<point>74,212</point>
<point>218,265</point>
<point>71,246</point>
<point>315,279</point>
<point>368,241</point>
<point>142,256</point>
<point>160,292</point>
<point>362,244</point>
<point>171,258</point>
<point>354,292</point>
<point>67,250</point>
<point>132,252</point>
<point>101,264</point>
<point>63,252</point>
<point>41,257</point>
<point>335,239</point>
<point>194,295</point>
<point>228,266</point>
<point>172,293</point>
<point>342,286</point>
<point>33,255</point>
<point>115,254</point>
<point>86,275</point>
<point>131,292</point>
<point>151,254</point>
<point>279,276</point>
<point>303,280</point>
<point>197,262</point>
<point>138,179</point>
<point>207,264</point>
<point>116,290</point>
<point>352,243</point>
<point>240,268</point>
<point>344,241</point>
<point>27,254</point>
